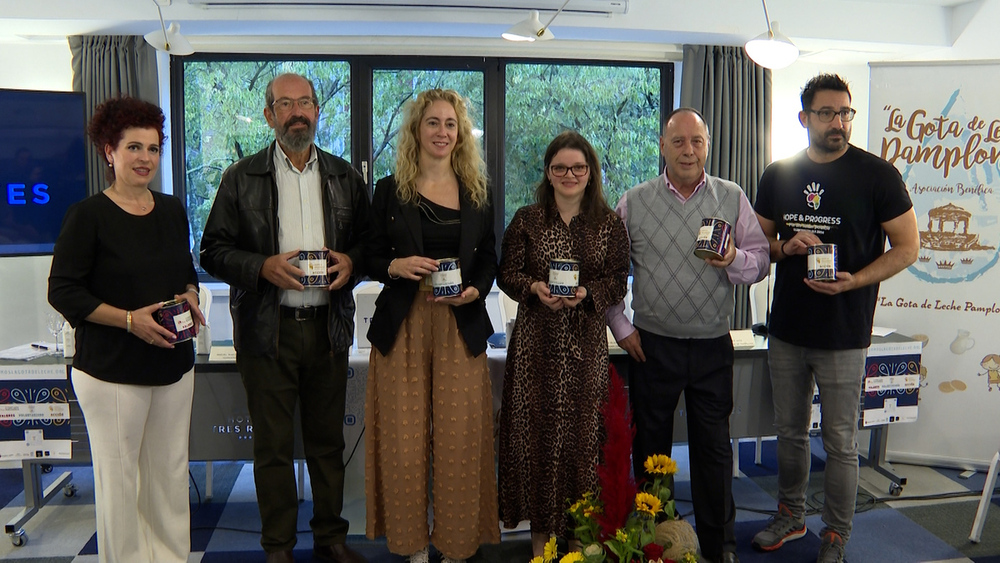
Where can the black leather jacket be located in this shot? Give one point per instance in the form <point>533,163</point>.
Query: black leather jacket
<point>242,232</point>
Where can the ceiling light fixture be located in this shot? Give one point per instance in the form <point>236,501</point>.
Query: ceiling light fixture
<point>771,49</point>
<point>168,39</point>
<point>532,29</point>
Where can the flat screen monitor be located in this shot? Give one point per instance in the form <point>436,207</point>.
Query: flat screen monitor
<point>42,167</point>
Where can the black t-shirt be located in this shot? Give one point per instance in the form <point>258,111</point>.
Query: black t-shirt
<point>106,255</point>
<point>843,202</point>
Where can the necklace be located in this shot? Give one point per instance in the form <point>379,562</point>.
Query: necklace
<point>143,206</point>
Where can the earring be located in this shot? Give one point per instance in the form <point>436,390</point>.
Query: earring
<point>110,165</point>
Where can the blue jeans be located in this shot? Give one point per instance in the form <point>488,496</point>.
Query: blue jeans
<point>839,375</point>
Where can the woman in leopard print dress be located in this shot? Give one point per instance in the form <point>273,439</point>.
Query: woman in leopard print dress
<point>557,359</point>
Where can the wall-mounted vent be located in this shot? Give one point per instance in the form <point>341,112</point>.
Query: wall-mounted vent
<point>604,7</point>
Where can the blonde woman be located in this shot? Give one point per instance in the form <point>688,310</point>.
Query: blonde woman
<point>428,394</point>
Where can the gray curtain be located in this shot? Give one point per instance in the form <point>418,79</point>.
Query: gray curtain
<point>734,95</point>
<point>109,66</point>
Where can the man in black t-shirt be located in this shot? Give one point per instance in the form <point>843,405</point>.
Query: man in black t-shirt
<point>831,193</point>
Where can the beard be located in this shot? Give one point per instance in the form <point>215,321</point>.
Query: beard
<point>299,140</point>
<point>824,143</point>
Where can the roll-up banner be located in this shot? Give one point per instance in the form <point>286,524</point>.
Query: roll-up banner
<point>939,124</point>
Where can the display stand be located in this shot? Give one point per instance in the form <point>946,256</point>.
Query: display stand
<point>984,501</point>
<point>35,496</point>
<point>891,385</point>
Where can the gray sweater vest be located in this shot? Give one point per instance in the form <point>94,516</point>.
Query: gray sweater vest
<point>675,293</point>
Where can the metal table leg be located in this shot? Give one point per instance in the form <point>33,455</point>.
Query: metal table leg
<point>35,498</point>
<point>876,460</point>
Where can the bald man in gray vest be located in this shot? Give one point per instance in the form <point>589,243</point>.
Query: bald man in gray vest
<point>678,339</point>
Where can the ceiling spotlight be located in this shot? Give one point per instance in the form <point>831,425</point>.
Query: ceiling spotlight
<point>532,29</point>
<point>168,39</point>
<point>771,49</point>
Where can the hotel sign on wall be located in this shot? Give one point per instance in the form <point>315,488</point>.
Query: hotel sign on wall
<point>939,124</point>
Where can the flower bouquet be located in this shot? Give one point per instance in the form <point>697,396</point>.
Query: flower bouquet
<point>619,522</point>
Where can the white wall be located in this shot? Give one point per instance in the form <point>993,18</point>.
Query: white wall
<point>24,280</point>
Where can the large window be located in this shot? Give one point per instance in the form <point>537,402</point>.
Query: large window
<point>392,88</point>
<point>616,108</point>
<point>516,106</point>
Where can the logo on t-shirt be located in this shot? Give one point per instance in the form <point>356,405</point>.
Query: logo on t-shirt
<point>813,194</point>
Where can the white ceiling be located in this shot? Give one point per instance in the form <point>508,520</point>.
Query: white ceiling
<point>846,31</point>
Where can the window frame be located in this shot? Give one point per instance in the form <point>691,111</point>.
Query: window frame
<point>362,68</point>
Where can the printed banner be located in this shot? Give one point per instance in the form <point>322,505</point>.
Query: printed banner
<point>34,413</point>
<point>939,124</point>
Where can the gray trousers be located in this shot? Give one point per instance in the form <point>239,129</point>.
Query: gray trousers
<point>839,375</point>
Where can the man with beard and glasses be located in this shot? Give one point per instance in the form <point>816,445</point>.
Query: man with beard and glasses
<point>830,193</point>
<point>292,342</point>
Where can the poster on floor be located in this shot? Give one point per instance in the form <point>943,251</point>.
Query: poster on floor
<point>34,413</point>
<point>939,124</point>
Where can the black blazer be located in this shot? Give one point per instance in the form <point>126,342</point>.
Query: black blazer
<point>395,232</point>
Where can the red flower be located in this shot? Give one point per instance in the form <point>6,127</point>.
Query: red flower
<point>652,551</point>
<point>614,476</point>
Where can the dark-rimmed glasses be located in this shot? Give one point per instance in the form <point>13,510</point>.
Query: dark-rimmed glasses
<point>826,115</point>
<point>560,170</point>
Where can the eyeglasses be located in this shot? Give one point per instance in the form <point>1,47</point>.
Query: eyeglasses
<point>285,104</point>
<point>826,115</point>
<point>560,170</point>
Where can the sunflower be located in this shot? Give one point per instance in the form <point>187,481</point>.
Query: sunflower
<point>572,557</point>
<point>551,552</point>
<point>659,464</point>
<point>537,560</point>
<point>647,504</point>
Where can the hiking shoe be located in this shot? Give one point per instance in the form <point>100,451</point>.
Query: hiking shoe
<point>782,528</point>
<point>832,548</point>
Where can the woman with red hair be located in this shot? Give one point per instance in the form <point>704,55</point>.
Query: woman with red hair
<point>120,255</point>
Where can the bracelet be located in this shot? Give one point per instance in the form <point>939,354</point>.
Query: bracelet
<point>391,277</point>
<point>128,322</point>
<point>783,247</point>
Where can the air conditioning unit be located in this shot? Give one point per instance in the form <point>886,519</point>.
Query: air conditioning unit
<point>603,7</point>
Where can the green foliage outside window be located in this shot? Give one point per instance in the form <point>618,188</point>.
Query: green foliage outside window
<point>617,109</point>
<point>393,88</point>
<point>224,120</point>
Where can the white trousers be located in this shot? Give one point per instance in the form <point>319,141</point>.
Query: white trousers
<point>139,445</point>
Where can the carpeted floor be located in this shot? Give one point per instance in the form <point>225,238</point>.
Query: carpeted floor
<point>930,521</point>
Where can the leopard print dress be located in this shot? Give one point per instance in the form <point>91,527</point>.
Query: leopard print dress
<point>557,365</point>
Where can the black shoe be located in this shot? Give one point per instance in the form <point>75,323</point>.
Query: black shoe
<point>280,557</point>
<point>337,553</point>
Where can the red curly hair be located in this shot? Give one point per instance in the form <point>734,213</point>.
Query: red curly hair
<point>114,116</point>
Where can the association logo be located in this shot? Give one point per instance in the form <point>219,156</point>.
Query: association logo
<point>814,194</point>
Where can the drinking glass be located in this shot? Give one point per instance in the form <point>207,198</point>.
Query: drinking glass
<point>54,323</point>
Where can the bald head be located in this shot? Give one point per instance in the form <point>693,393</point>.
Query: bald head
<point>684,145</point>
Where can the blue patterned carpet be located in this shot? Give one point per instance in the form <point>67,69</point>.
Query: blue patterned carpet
<point>225,529</point>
